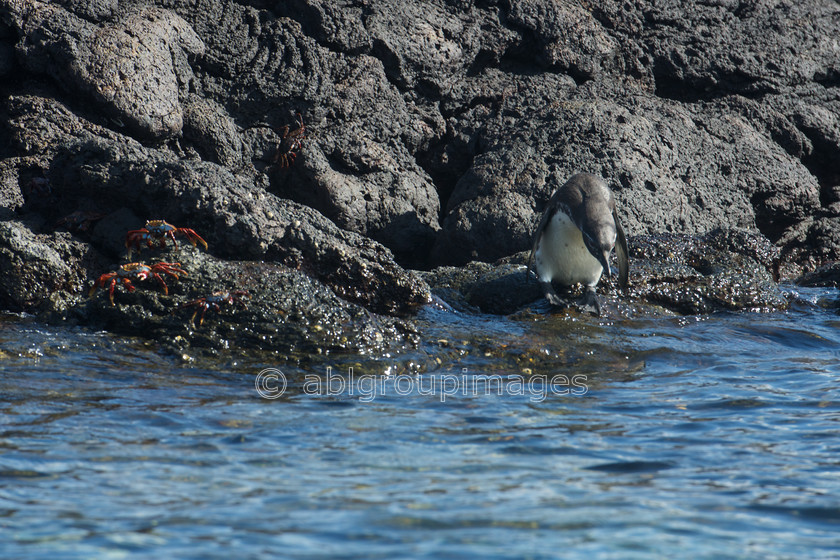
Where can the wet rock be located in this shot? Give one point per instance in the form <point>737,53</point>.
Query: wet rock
<point>724,270</point>
<point>285,311</point>
<point>136,68</point>
<point>813,243</point>
<point>828,275</point>
<point>499,289</point>
<point>41,271</point>
<point>710,253</point>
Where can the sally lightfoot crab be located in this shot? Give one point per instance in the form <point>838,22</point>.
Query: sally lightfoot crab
<point>136,271</point>
<point>215,300</point>
<point>290,142</point>
<point>156,231</point>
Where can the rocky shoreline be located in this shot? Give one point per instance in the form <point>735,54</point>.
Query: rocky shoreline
<point>433,135</point>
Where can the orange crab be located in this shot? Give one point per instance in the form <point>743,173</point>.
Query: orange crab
<point>215,300</point>
<point>136,271</point>
<point>158,231</point>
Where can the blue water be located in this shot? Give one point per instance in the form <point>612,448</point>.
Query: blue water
<point>714,437</point>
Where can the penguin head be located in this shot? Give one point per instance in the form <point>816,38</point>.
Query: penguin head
<point>594,218</point>
<point>599,238</point>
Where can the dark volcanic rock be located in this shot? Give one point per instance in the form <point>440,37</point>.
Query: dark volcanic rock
<point>436,128</point>
<point>136,69</point>
<point>212,131</point>
<point>238,219</point>
<point>41,271</point>
<point>673,167</point>
<point>285,311</point>
<point>499,289</point>
<point>567,37</point>
<point>11,196</point>
<point>357,166</point>
<point>698,115</point>
<point>723,270</point>
<point>828,275</point>
<point>700,49</point>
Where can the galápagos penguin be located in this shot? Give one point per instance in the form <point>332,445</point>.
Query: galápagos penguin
<point>576,235</point>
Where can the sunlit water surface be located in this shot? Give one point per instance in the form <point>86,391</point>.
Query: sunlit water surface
<point>685,438</point>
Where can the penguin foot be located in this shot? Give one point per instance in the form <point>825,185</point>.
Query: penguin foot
<point>590,303</point>
<point>552,297</point>
<point>556,301</point>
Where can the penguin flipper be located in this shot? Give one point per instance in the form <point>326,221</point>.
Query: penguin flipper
<point>621,254</point>
<point>546,217</point>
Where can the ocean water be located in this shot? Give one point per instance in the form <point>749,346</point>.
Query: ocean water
<point>533,436</point>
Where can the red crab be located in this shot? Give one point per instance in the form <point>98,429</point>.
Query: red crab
<point>158,231</point>
<point>290,142</point>
<point>136,271</point>
<point>215,300</point>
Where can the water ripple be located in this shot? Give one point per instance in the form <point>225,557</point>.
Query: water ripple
<point>715,435</point>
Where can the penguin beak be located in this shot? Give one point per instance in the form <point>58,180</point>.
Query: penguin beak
<point>605,262</point>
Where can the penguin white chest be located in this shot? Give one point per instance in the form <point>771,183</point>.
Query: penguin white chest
<point>562,257</point>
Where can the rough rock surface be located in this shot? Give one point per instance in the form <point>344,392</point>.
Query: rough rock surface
<point>135,69</point>
<point>39,268</point>
<point>238,219</point>
<point>434,133</point>
<point>285,311</point>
